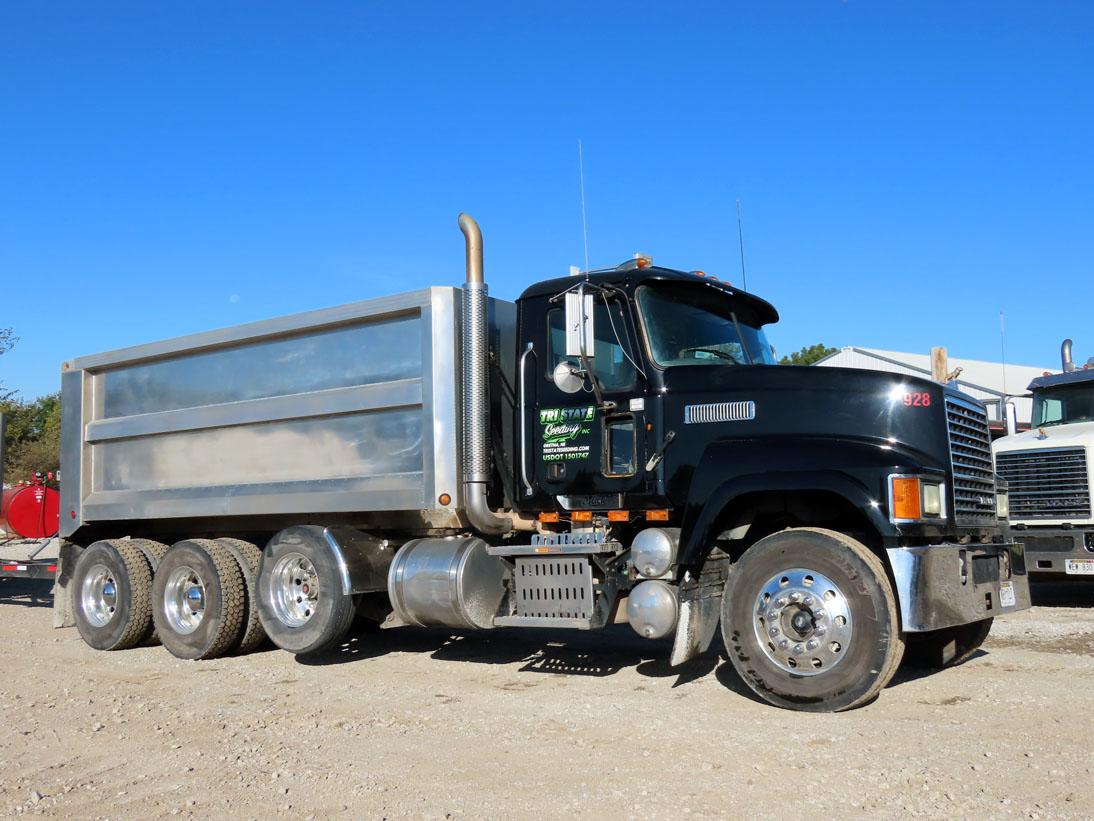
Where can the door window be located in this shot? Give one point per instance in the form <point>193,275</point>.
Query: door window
<point>620,457</point>
<point>609,363</point>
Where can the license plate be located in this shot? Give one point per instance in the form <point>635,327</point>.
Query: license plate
<point>1079,567</point>
<point>1006,594</point>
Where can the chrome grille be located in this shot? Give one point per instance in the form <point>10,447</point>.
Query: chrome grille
<point>970,453</point>
<point>1050,483</point>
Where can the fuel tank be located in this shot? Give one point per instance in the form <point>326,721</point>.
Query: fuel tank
<point>31,512</point>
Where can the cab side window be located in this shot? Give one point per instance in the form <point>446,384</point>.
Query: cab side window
<point>609,363</point>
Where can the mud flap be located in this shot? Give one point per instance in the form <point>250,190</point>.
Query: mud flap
<point>63,616</point>
<point>700,609</point>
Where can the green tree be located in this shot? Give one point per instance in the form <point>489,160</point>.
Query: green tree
<point>808,355</point>
<point>32,439</point>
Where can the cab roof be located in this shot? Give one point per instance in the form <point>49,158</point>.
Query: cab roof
<point>1056,379</point>
<point>630,278</point>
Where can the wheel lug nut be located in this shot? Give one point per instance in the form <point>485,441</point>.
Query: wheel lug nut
<point>795,596</point>
<point>782,601</point>
<point>820,631</point>
<point>808,601</point>
<point>820,614</point>
<point>774,631</point>
<point>784,644</point>
<point>798,649</point>
<point>812,644</point>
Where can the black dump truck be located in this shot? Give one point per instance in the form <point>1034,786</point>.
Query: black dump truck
<point>618,446</point>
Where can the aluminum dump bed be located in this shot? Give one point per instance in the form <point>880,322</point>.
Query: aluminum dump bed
<point>347,409</point>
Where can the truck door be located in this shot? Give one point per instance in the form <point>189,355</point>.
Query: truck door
<point>588,453</point>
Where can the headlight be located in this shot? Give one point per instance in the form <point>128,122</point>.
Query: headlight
<point>1002,505</point>
<point>932,499</point>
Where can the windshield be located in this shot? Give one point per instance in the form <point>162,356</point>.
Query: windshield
<point>689,325</point>
<point>1063,405</point>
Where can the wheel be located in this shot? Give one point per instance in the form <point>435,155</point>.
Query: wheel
<point>199,600</point>
<point>248,557</point>
<point>810,621</point>
<point>300,598</point>
<point>153,552</point>
<point>947,647</point>
<point>112,594</point>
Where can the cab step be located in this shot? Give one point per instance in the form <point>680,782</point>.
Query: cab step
<point>556,549</point>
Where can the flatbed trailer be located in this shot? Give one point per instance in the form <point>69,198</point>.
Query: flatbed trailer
<point>29,558</point>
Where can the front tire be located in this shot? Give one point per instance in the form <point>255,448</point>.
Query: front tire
<point>810,622</point>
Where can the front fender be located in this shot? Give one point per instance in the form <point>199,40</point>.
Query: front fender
<point>852,469</point>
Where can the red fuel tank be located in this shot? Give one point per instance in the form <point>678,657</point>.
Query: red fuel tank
<point>31,511</point>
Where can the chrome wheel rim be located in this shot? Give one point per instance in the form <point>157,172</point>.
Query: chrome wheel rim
<point>295,589</point>
<point>803,622</point>
<point>99,595</point>
<point>184,600</point>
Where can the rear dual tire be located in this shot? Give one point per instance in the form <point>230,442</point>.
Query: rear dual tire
<point>112,595</point>
<point>200,600</point>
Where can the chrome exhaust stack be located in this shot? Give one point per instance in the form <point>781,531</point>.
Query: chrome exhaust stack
<point>1065,357</point>
<point>476,389</point>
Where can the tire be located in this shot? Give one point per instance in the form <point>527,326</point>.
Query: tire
<point>304,612</point>
<point>112,595</point>
<point>808,660</point>
<point>248,557</point>
<point>199,600</point>
<point>948,647</point>
<point>153,552</point>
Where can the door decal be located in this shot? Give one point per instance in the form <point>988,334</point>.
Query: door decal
<point>567,433</point>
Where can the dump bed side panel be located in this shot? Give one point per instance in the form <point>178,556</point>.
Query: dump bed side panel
<point>341,410</point>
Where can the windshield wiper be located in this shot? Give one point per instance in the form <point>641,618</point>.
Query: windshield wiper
<point>714,351</point>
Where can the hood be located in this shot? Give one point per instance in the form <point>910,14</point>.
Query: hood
<point>1055,436</point>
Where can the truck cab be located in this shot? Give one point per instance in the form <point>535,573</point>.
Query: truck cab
<point>1048,469</point>
<point>651,412</point>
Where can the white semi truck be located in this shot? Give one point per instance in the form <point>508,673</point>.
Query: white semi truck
<point>1048,470</point>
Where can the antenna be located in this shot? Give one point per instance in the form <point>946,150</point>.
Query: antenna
<point>1003,353</point>
<point>741,240</point>
<point>584,224</point>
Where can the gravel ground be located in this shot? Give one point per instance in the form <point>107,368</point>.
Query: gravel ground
<point>528,724</point>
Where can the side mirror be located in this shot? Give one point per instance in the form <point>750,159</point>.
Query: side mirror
<point>579,324</point>
<point>1010,413</point>
<point>568,377</point>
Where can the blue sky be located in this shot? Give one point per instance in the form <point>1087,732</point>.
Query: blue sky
<point>907,170</point>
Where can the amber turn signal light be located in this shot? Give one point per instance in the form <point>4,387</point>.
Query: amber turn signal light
<point>657,515</point>
<point>548,517</point>
<point>906,498</point>
<point>618,516</point>
<point>582,516</point>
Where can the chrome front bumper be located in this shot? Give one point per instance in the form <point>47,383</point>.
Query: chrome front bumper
<point>945,585</point>
<point>1049,548</point>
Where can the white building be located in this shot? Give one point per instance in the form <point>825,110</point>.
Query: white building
<point>986,381</point>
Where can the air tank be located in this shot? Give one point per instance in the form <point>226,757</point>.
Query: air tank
<point>30,511</point>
